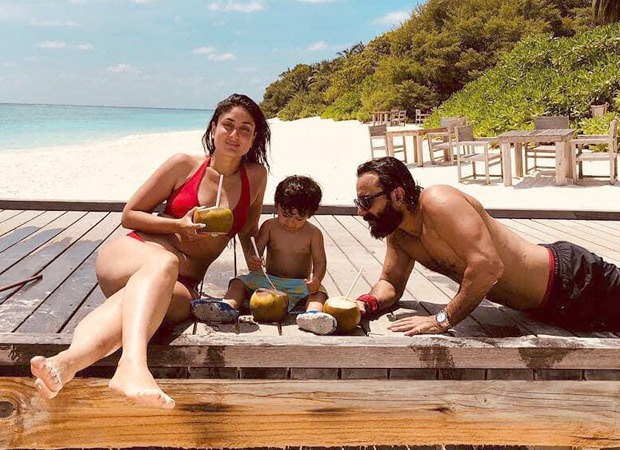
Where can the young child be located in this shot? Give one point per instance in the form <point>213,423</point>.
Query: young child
<point>295,262</point>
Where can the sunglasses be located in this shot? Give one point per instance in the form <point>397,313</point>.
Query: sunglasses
<point>366,201</point>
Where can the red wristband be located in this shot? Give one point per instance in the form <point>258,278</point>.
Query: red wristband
<point>372,306</point>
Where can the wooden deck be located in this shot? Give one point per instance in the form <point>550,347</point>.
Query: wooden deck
<point>491,358</point>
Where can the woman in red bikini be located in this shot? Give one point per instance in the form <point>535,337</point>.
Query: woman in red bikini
<point>151,275</point>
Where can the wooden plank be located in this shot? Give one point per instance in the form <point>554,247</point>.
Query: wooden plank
<point>36,261</point>
<point>62,303</point>
<point>575,238</point>
<point>580,229</point>
<point>94,299</point>
<point>6,214</point>
<point>56,260</point>
<point>281,413</point>
<point>341,265</point>
<point>269,208</point>
<point>20,226</point>
<point>425,351</point>
<point>48,225</point>
<point>606,228</point>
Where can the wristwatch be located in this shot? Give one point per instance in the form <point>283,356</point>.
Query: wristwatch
<point>443,320</point>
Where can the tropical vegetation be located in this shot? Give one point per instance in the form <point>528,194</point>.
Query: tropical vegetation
<point>443,46</point>
<point>544,75</point>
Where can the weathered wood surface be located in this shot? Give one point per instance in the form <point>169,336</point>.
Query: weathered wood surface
<point>309,351</point>
<point>275,413</point>
<point>39,317</point>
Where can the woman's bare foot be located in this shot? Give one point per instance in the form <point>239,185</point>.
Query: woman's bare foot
<point>50,375</point>
<point>137,383</point>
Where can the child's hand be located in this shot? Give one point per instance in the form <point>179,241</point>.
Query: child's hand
<point>313,285</point>
<point>255,263</point>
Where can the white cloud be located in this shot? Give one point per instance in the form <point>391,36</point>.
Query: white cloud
<point>245,69</point>
<point>56,45</point>
<point>125,68</point>
<point>141,2</point>
<point>238,6</point>
<point>53,23</point>
<point>203,50</point>
<point>210,52</point>
<point>320,45</point>
<point>52,45</point>
<point>316,1</point>
<point>393,18</point>
<point>221,57</point>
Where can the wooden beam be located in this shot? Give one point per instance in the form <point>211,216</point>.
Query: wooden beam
<point>261,413</point>
<point>232,350</point>
<point>103,205</point>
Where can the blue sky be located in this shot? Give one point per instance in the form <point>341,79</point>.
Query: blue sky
<point>173,53</point>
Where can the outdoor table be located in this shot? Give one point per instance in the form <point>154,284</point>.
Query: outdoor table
<point>564,158</point>
<point>417,135</point>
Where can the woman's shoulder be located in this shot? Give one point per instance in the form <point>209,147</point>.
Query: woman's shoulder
<point>255,169</point>
<point>185,159</point>
<point>182,163</point>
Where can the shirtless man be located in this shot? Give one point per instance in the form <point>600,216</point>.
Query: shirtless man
<point>296,261</point>
<point>449,232</point>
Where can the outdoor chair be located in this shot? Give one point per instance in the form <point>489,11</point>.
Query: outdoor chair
<point>610,140</point>
<point>466,146</point>
<point>378,142</point>
<point>599,110</point>
<point>420,116</point>
<point>398,117</point>
<point>544,150</point>
<point>446,142</point>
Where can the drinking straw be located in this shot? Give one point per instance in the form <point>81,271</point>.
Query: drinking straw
<point>219,192</point>
<point>354,281</point>
<point>261,263</point>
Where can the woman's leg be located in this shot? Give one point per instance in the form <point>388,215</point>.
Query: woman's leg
<point>129,317</point>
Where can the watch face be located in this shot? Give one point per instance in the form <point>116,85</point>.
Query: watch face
<point>442,316</point>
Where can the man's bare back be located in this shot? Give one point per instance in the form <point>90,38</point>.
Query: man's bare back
<point>449,232</point>
<point>523,282</point>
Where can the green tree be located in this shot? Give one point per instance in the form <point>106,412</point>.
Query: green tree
<point>605,11</point>
<point>444,45</point>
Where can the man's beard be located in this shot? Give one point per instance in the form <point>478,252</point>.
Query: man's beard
<point>385,223</point>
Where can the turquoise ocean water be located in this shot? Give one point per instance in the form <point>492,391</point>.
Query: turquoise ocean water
<point>33,126</point>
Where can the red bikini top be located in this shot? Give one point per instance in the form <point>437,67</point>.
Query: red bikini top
<point>185,197</point>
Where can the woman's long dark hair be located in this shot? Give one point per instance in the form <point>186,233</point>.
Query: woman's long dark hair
<point>262,138</point>
<point>392,174</point>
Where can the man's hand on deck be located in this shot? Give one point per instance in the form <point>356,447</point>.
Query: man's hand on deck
<point>416,325</point>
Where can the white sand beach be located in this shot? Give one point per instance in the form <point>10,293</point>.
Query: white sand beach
<point>326,150</point>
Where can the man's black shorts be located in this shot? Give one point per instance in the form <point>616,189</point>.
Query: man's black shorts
<point>585,292</point>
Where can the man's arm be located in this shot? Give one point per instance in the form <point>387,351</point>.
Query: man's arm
<point>460,225</point>
<point>397,267</point>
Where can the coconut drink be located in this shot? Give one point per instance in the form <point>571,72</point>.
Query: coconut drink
<point>268,305</point>
<point>216,219</point>
<point>346,312</point>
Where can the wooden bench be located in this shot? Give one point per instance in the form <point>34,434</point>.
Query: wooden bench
<point>498,379</point>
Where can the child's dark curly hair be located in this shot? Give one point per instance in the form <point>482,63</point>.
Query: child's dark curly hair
<point>299,193</point>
